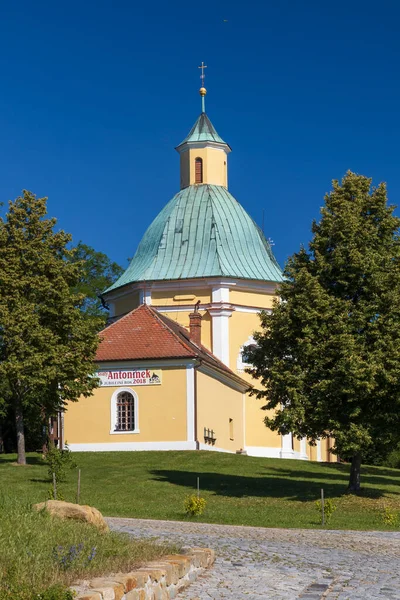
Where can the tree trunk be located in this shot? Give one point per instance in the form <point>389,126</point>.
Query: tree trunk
<point>355,473</point>
<point>19,421</point>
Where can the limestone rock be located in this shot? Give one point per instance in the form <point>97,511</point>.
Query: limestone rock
<point>68,510</point>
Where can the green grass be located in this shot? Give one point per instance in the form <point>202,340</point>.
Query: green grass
<point>37,551</point>
<point>239,490</point>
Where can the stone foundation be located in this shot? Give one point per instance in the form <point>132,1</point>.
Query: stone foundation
<point>159,580</point>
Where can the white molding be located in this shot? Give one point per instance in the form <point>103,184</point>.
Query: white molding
<point>251,309</point>
<point>220,311</point>
<point>168,308</point>
<point>190,403</point>
<point>131,446</point>
<point>223,378</point>
<point>186,146</point>
<point>319,454</point>
<point>113,411</point>
<point>268,452</point>
<point>250,285</point>
<point>244,420</point>
<point>212,448</point>
<point>264,451</point>
<point>62,431</point>
<point>220,293</point>
<point>181,308</point>
<point>240,365</point>
<point>303,449</point>
<point>220,335</point>
<point>287,446</point>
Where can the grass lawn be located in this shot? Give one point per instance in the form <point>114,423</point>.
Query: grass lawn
<point>239,490</point>
<point>38,552</point>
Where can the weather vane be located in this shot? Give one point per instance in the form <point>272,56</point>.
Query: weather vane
<point>203,90</point>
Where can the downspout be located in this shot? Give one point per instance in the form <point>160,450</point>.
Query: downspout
<point>196,441</point>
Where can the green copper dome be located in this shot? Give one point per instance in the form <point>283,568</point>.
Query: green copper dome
<point>202,232</point>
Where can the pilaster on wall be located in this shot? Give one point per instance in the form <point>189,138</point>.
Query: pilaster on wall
<point>287,446</point>
<point>190,403</point>
<point>319,453</point>
<point>303,448</point>
<point>145,296</point>
<point>220,310</point>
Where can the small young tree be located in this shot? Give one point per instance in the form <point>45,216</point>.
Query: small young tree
<point>47,346</point>
<point>328,355</point>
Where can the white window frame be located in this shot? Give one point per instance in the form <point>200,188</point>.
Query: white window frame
<point>113,414</point>
<point>240,365</point>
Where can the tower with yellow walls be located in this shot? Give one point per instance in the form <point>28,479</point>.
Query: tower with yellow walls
<point>203,248</point>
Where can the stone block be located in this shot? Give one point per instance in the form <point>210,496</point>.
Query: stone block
<point>133,595</point>
<point>127,579</point>
<point>88,595</point>
<point>182,561</point>
<point>141,576</point>
<point>111,590</point>
<point>170,570</point>
<point>106,593</point>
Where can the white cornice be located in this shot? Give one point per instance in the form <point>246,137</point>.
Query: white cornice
<point>249,285</point>
<point>195,145</point>
<point>168,308</point>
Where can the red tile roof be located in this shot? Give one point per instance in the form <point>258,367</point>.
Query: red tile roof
<point>145,334</point>
<point>141,335</point>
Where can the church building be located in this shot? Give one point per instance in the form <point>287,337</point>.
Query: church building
<point>170,361</point>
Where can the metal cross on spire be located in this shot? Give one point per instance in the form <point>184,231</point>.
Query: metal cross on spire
<point>203,75</point>
<point>203,90</point>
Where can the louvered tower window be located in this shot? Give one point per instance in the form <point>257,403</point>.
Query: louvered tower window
<point>198,170</point>
<point>125,412</point>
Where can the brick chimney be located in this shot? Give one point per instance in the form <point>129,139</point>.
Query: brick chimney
<point>195,326</point>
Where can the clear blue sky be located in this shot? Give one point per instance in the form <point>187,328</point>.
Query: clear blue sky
<point>95,95</point>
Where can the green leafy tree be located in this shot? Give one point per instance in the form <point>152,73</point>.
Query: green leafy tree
<point>47,346</point>
<point>328,356</point>
<point>97,273</point>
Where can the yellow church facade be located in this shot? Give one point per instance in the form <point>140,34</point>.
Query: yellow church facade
<point>204,260</point>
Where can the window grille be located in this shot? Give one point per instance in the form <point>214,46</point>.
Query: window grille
<point>198,170</point>
<point>125,412</point>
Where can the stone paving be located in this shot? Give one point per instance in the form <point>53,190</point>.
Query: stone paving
<point>255,563</point>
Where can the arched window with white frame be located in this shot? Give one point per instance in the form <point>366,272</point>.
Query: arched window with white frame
<point>124,411</point>
<point>241,365</point>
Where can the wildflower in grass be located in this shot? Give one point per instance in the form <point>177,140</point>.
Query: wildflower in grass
<point>92,554</point>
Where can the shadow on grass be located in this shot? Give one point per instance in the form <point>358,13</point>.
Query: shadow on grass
<point>369,475</point>
<point>240,486</point>
<point>30,460</point>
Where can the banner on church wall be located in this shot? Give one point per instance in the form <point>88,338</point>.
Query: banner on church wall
<point>120,377</point>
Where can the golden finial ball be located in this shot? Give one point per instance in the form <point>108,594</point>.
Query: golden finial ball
<point>202,91</point>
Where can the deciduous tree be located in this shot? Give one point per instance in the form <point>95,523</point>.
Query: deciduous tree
<point>47,346</point>
<point>97,273</point>
<point>328,356</point>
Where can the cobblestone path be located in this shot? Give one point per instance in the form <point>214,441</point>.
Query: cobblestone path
<point>283,564</point>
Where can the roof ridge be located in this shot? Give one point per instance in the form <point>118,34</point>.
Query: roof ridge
<point>158,316</point>
<point>201,347</point>
<point>108,327</point>
<point>215,224</point>
<point>203,127</point>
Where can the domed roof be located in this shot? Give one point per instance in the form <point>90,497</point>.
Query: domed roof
<point>202,232</point>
